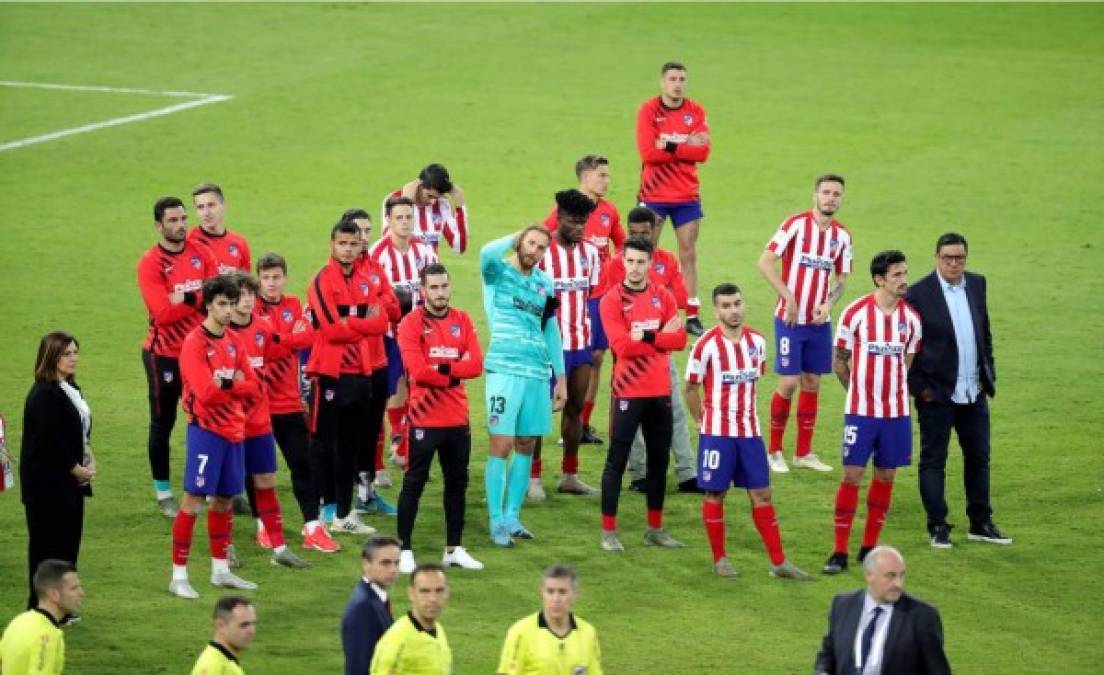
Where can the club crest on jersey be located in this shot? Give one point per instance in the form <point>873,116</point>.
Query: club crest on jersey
<point>196,262</point>
<point>419,434</point>
<point>232,249</point>
<point>660,268</point>
<point>259,338</point>
<point>655,301</point>
<point>167,376</point>
<point>902,327</point>
<point>623,405</point>
<point>286,314</point>
<point>455,330</point>
<point>687,119</point>
<point>493,420</point>
<point>231,350</point>
<point>364,287</point>
<point>605,218</point>
<point>328,394</point>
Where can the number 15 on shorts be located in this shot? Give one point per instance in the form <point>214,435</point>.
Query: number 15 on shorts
<point>850,435</point>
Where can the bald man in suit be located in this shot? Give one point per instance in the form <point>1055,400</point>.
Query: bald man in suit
<point>881,630</point>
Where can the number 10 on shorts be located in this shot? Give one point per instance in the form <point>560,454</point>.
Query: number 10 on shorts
<point>711,459</point>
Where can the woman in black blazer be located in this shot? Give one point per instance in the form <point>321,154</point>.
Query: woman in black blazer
<point>56,464</point>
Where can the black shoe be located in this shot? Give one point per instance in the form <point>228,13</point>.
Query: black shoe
<point>694,326</point>
<point>638,485</point>
<point>863,551</point>
<point>941,536</point>
<point>240,506</point>
<point>589,436</point>
<point>837,562</point>
<point>690,485</point>
<point>988,533</point>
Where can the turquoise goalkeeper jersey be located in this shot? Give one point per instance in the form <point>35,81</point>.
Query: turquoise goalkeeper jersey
<point>514,303</point>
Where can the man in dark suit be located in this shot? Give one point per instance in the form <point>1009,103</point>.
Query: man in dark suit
<point>952,379</point>
<point>882,630</point>
<point>368,612</point>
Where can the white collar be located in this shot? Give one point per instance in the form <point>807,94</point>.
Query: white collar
<point>377,588</point>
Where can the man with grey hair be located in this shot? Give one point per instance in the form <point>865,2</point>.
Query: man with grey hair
<point>882,629</point>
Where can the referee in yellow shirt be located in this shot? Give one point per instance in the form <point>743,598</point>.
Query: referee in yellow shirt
<point>553,641</point>
<point>32,643</point>
<point>235,628</point>
<point>416,644</point>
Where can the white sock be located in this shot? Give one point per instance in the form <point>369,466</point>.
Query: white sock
<point>180,573</point>
<point>279,549</point>
<point>311,526</point>
<point>260,525</point>
<point>164,494</point>
<point>219,565</point>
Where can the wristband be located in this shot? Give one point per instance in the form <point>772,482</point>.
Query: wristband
<point>444,368</point>
<point>670,147</point>
<point>649,336</point>
<point>190,298</point>
<point>226,383</point>
<point>343,310</point>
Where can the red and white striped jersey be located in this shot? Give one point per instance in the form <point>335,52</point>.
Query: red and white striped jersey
<point>404,270</point>
<point>575,271</point>
<point>728,371</point>
<point>809,257</point>
<point>878,343</point>
<point>432,222</point>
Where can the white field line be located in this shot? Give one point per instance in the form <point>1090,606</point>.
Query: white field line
<point>198,99</point>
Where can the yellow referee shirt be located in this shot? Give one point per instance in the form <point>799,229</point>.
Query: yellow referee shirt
<point>409,649</point>
<point>217,660</point>
<point>531,648</point>
<point>32,645</point>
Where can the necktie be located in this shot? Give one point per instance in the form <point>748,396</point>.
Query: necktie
<point>868,639</point>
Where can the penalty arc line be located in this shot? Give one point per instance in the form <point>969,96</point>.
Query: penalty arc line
<point>137,117</point>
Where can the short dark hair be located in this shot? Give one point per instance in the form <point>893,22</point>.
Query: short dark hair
<point>589,163</point>
<point>204,188</point>
<point>224,285</point>
<point>271,260</point>
<point>436,177</point>
<point>425,568</point>
<point>344,226</point>
<point>48,575</point>
<point>392,202</point>
<point>951,239</point>
<point>560,571</point>
<point>642,214</point>
<point>50,349</point>
<point>829,178</point>
<point>245,280</point>
<point>882,261</point>
<point>574,203</point>
<point>164,204</point>
<point>225,606</point>
<point>352,214</point>
<point>433,268</point>
<point>727,288</point>
<point>671,65</point>
<point>373,544</point>
<point>639,244</point>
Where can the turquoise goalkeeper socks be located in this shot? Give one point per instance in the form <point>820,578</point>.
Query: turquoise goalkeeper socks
<point>517,484</point>
<point>495,477</point>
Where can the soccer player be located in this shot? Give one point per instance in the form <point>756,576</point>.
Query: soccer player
<point>33,642</point>
<point>416,643</point>
<point>260,341</point>
<point>664,273</point>
<point>553,641</point>
<point>520,302</point>
<point>230,249</point>
<point>814,248</point>
<point>281,377</point>
<point>575,267</point>
<point>877,338</point>
<point>352,305</point>
<point>603,229</point>
<point>218,382</point>
<point>440,349</point>
<point>728,360</point>
<point>235,627</point>
<point>402,259</point>
<point>169,277</point>
<point>672,137</point>
<point>643,326</point>
<point>439,208</point>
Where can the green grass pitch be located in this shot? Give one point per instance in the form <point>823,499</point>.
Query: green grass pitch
<point>981,118</point>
